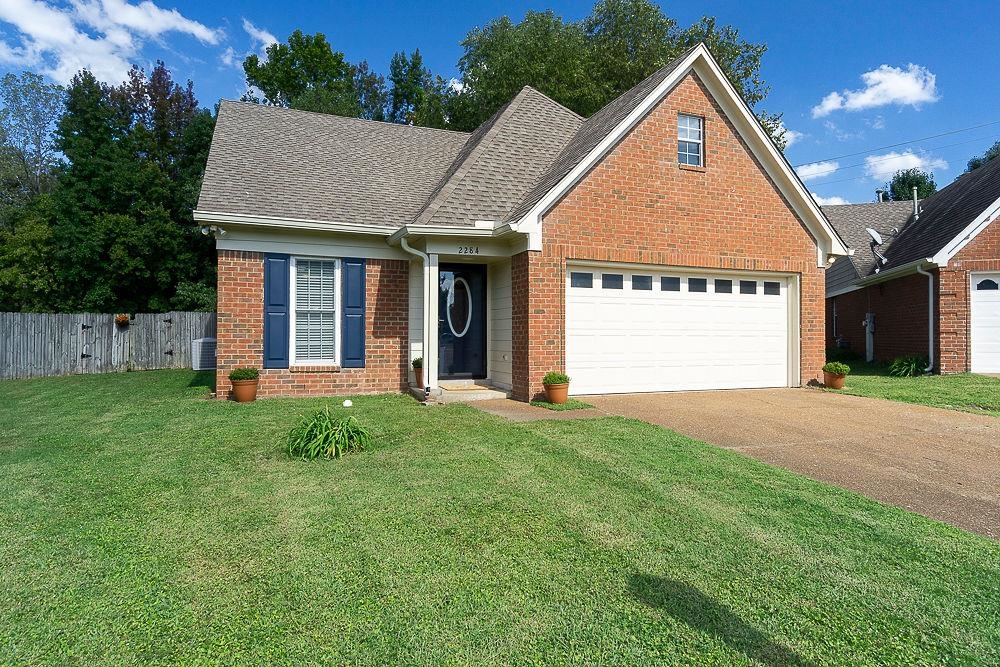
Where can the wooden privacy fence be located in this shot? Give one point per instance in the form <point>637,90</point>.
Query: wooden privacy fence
<point>36,344</point>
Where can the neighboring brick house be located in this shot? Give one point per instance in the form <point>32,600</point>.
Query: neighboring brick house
<point>932,290</point>
<point>663,243</point>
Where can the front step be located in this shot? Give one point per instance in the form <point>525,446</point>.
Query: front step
<point>461,391</point>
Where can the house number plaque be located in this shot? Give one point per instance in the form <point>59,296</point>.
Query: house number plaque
<point>468,250</point>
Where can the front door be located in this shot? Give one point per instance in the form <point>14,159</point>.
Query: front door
<point>462,321</point>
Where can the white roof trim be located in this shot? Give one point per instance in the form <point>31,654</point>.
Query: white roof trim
<point>291,223</point>
<point>965,237</point>
<point>897,272</point>
<point>777,167</point>
<point>440,230</point>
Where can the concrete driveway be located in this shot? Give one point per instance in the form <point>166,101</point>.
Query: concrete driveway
<point>940,463</point>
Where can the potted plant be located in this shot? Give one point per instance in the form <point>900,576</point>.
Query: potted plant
<point>122,320</point>
<point>834,373</point>
<point>244,380</point>
<point>418,371</point>
<point>556,387</point>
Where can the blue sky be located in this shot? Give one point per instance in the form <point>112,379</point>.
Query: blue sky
<point>852,79</point>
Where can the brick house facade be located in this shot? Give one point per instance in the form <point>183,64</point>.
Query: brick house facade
<point>489,223</point>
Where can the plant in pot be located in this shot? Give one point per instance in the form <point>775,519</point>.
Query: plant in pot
<point>418,371</point>
<point>834,373</point>
<point>244,380</point>
<point>556,387</point>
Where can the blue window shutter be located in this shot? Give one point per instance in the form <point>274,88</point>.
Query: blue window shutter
<point>276,320</point>
<point>353,329</point>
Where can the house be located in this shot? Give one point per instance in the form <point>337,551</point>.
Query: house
<point>925,279</point>
<point>662,244</point>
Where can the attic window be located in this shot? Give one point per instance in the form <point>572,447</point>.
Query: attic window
<point>690,140</point>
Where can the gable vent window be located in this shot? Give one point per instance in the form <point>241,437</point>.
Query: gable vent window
<point>315,303</point>
<point>690,140</point>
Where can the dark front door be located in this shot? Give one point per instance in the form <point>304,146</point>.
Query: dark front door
<point>462,321</point>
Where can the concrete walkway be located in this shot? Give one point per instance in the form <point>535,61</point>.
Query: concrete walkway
<point>940,463</point>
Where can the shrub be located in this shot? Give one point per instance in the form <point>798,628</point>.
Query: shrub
<point>243,373</point>
<point>908,366</point>
<point>327,436</point>
<point>836,368</point>
<point>555,377</point>
<point>418,362</point>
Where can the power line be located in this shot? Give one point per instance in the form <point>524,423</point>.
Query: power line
<point>866,162</point>
<point>902,143</point>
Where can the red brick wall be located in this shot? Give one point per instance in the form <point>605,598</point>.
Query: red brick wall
<point>983,254</point>
<point>639,206</point>
<point>241,330</point>
<point>900,308</point>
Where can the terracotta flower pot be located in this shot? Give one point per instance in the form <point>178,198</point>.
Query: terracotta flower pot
<point>557,393</point>
<point>833,381</point>
<point>419,375</point>
<point>244,391</point>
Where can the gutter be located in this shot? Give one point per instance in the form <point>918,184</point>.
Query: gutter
<point>930,317</point>
<point>291,223</point>
<point>899,271</point>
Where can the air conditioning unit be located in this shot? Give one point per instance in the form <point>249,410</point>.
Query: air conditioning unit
<point>203,354</point>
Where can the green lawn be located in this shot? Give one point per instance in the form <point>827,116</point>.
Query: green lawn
<point>143,525</point>
<point>965,391</point>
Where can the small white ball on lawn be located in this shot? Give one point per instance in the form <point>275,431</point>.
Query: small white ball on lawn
<point>348,403</point>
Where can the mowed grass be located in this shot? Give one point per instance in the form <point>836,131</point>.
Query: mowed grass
<point>142,525</point>
<point>967,392</point>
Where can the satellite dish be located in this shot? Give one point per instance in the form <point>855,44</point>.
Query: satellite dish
<point>876,237</point>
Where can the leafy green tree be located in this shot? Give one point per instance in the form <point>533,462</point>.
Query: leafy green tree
<point>28,277</point>
<point>307,74</point>
<point>584,65</point>
<point>416,97</point>
<point>900,188</point>
<point>29,109</point>
<point>978,161</point>
<point>124,238</point>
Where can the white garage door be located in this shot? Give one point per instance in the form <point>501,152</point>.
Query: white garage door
<point>985,316</point>
<point>631,330</point>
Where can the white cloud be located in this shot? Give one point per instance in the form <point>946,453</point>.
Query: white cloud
<point>814,170</point>
<point>104,36</point>
<point>882,167</point>
<point>791,136</point>
<point>456,85</point>
<point>259,37</point>
<point>884,85</point>
<point>829,201</point>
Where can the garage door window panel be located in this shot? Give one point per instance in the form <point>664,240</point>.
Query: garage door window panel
<point>697,285</point>
<point>581,279</point>
<point>612,281</point>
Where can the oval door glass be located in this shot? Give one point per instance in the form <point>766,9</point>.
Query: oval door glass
<point>459,307</point>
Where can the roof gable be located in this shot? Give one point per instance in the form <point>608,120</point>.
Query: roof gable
<point>501,161</point>
<point>612,124</point>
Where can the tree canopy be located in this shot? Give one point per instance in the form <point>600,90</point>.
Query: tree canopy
<point>900,188</point>
<point>978,161</point>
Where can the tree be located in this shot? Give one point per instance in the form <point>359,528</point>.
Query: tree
<point>307,74</point>
<point>30,110</point>
<point>900,188</point>
<point>978,161</point>
<point>415,97</point>
<point>124,238</point>
<point>585,65</point>
<point>28,278</point>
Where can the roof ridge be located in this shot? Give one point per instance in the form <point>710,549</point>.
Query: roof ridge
<point>561,106</point>
<point>349,119</point>
<point>452,182</point>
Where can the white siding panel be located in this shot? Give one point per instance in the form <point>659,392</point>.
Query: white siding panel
<point>416,313</point>
<point>499,353</point>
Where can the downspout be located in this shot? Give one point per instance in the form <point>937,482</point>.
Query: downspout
<point>930,318</point>
<point>426,263</point>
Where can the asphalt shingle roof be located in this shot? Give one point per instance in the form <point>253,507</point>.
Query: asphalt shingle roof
<point>502,160</point>
<point>283,163</point>
<point>945,214</point>
<point>850,221</point>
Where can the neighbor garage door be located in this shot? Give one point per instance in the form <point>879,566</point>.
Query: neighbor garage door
<point>985,316</point>
<point>636,330</point>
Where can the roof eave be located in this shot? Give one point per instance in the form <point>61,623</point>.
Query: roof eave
<point>218,217</point>
<point>897,272</point>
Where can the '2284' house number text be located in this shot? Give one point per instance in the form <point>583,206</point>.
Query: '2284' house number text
<point>468,250</point>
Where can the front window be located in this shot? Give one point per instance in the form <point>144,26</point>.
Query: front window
<point>690,140</point>
<point>315,311</point>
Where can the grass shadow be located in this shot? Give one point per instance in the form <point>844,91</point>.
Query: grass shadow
<point>692,607</point>
<point>203,379</point>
